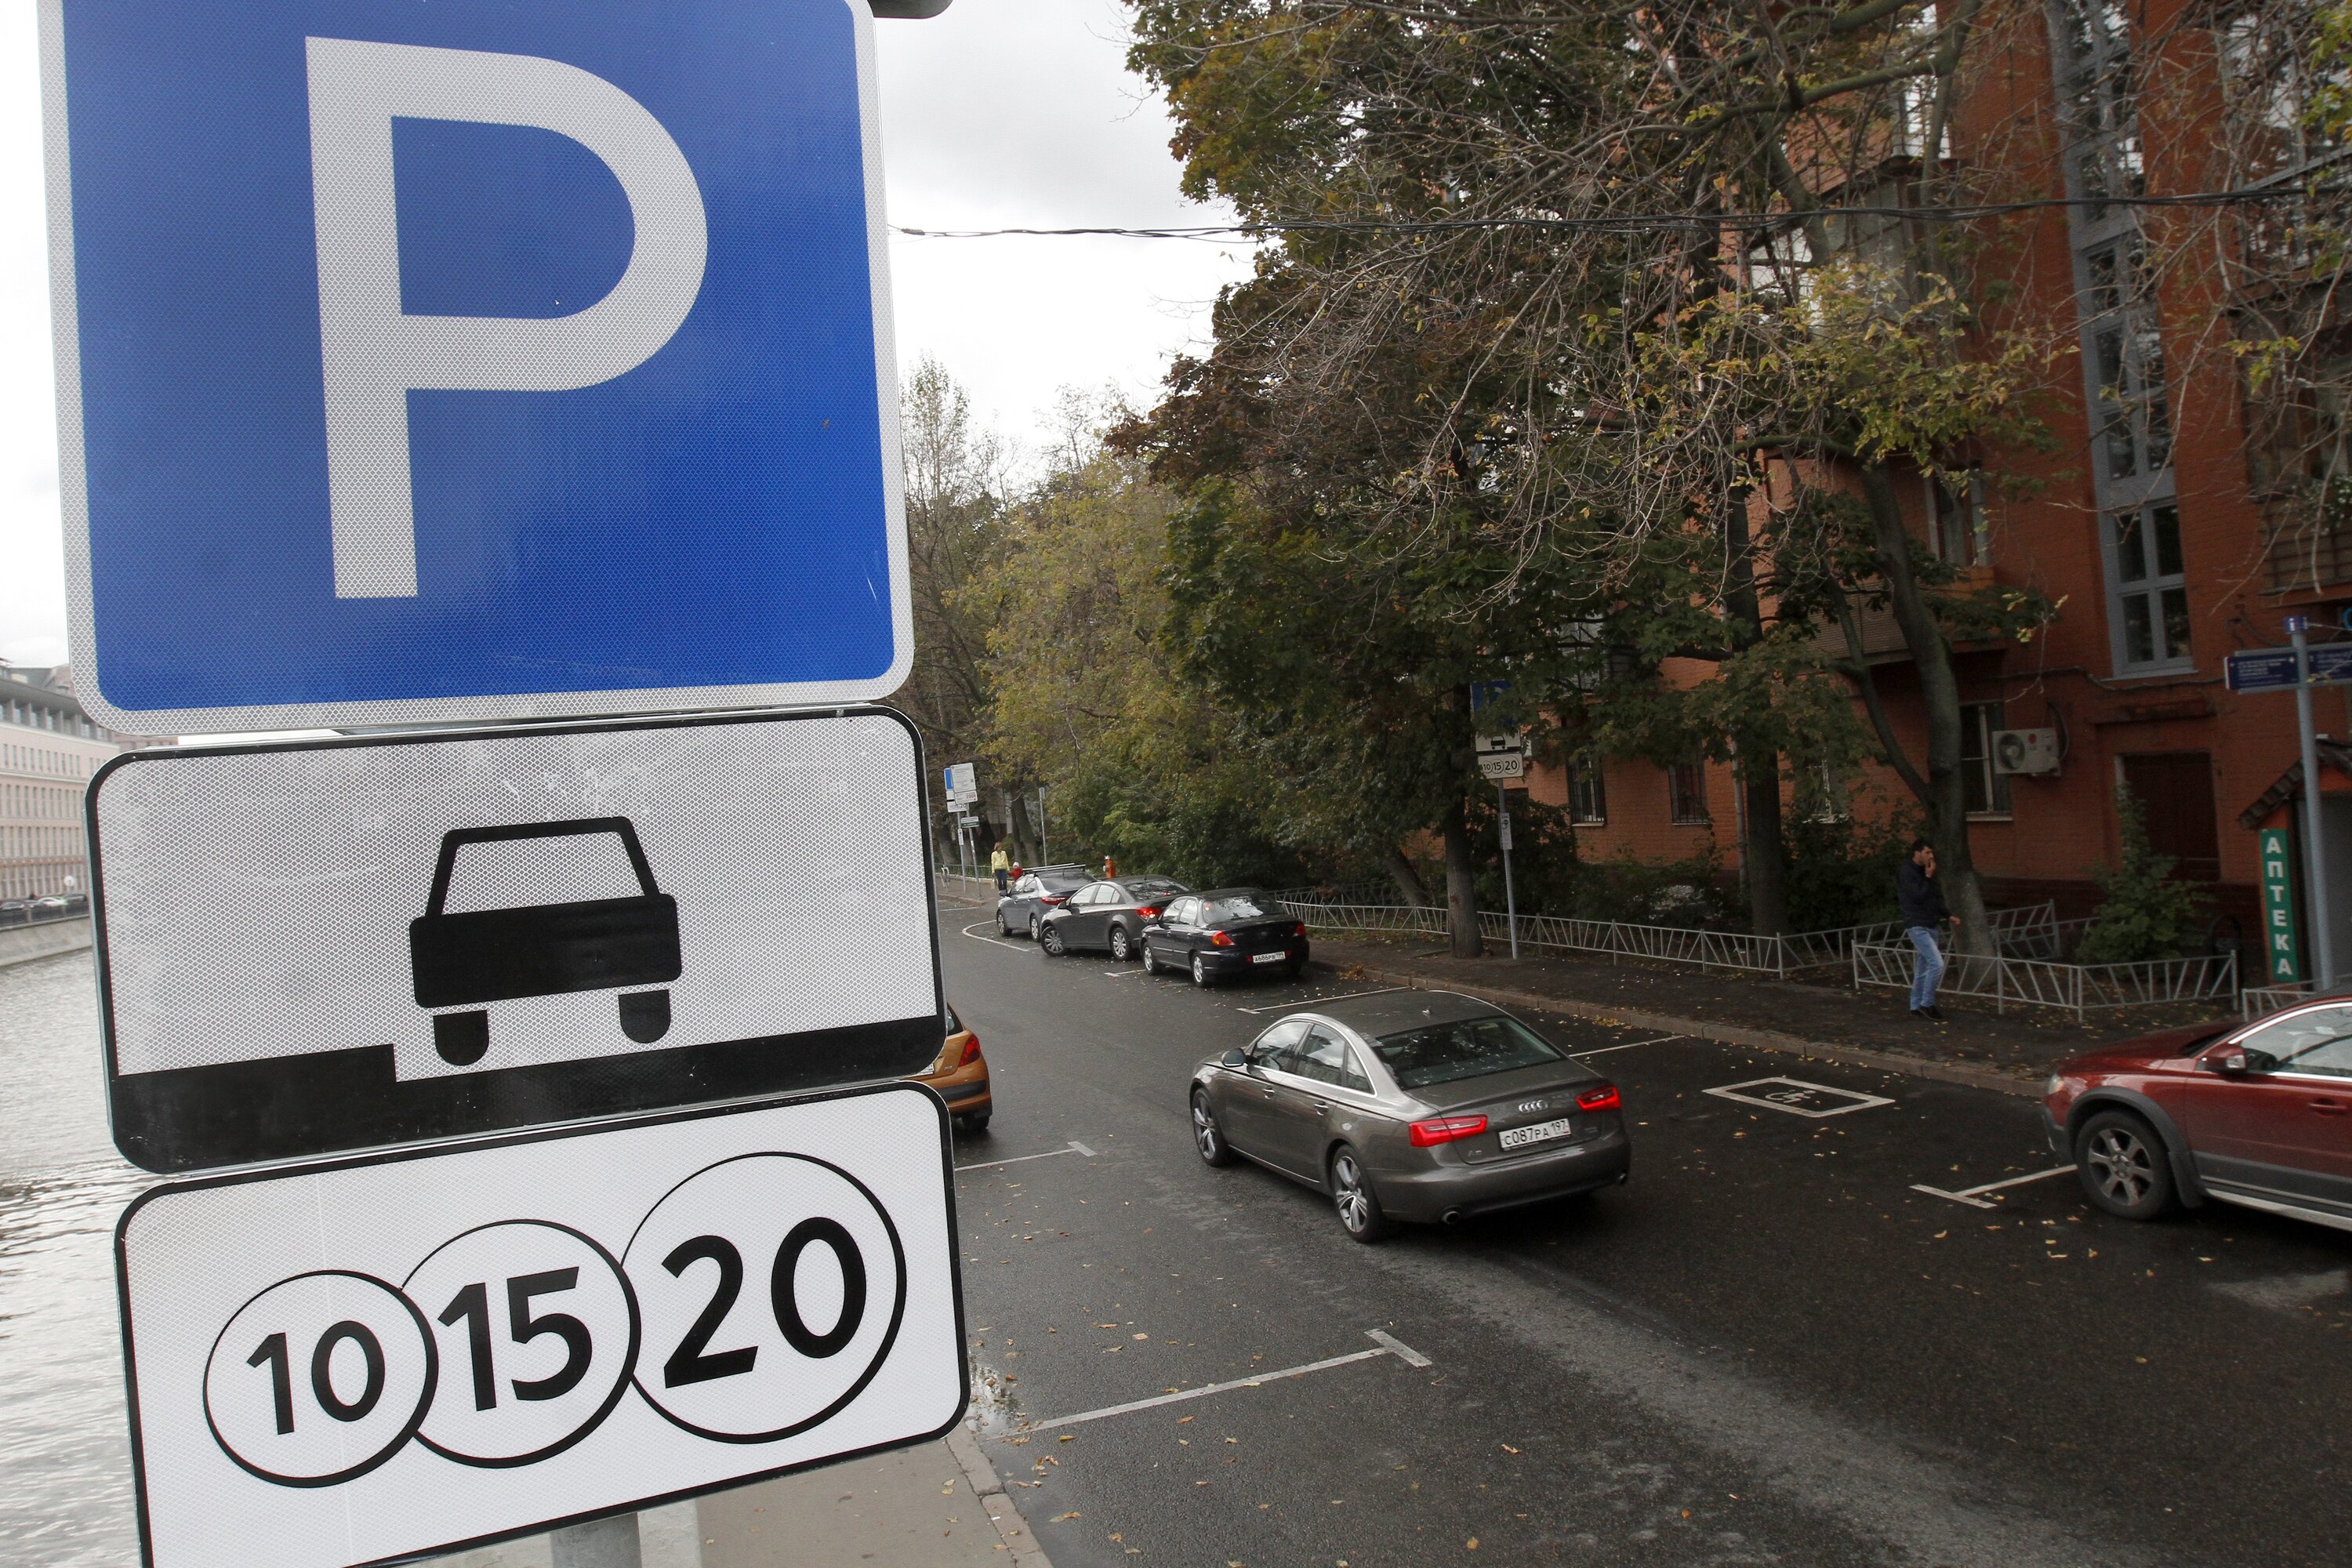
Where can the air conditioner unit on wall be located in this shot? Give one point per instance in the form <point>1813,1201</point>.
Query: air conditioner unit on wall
<point>2031,752</point>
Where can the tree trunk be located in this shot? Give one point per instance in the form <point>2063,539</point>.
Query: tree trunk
<point>1408,881</point>
<point>1939,690</point>
<point>1022,842</point>
<point>1461,885</point>
<point>1761,852</point>
<point>1764,852</point>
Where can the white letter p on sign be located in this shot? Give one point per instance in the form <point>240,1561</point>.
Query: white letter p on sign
<point>376,354</point>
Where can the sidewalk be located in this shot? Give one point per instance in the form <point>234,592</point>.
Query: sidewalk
<point>2012,1052</point>
<point>936,1506</point>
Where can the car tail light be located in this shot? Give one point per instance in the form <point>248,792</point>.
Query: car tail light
<point>971,1050</point>
<point>1447,1130</point>
<point>1221,938</point>
<point>1601,1098</point>
<point>1050,899</point>
<point>1147,912</point>
<point>1299,928</point>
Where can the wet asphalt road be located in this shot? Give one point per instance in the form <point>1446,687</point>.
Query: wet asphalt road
<point>1768,1348</point>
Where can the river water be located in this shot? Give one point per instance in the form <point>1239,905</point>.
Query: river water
<point>65,1456</point>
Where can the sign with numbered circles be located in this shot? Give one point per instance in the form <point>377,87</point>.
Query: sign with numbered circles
<point>313,946</point>
<point>362,1361</point>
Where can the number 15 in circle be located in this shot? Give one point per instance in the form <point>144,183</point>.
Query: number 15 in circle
<point>772,1286</point>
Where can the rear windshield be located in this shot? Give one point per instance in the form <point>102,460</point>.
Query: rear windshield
<point>1152,885</point>
<point>1238,907</point>
<point>1062,881</point>
<point>1443,1053</point>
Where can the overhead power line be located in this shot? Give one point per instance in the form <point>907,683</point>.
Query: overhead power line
<point>1620,223</point>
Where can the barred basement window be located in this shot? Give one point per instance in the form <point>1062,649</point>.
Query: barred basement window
<point>1686,793</point>
<point>1588,797</point>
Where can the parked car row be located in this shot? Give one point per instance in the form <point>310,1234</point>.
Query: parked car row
<point>55,907</point>
<point>1214,936</point>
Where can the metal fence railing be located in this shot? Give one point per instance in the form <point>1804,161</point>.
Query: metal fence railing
<point>1697,947</point>
<point>2081,989</point>
<point>2261,1001</point>
<point>954,884</point>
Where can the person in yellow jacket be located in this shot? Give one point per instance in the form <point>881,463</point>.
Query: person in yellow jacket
<point>1002,864</point>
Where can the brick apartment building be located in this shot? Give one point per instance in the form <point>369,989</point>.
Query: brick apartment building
<point>2154,522</point>
<point>48,750</point>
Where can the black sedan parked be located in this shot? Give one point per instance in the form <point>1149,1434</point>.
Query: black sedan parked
<point>1217,935</point>
<point>1414,1105</point>
<point>1107,915</point>
<point>1033,893</point>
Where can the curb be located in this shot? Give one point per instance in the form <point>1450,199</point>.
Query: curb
<point>1020,1542</point>
<point>1728,1033</point>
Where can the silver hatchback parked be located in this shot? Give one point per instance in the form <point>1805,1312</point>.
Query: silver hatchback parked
<point>1415,1105</point>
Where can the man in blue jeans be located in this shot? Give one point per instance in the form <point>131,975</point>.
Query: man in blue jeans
<point>1924,919</point>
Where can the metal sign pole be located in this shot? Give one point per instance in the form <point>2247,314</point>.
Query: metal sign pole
<point>2322,945</point>
<point>600,1543</point>
<point>1510,894</point>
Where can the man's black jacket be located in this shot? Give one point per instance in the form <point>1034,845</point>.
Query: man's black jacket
<point>1920,896</point>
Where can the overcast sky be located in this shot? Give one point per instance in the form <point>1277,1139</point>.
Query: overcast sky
<point>1001,113</point>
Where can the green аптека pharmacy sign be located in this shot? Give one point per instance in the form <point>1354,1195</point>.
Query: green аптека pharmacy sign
<point>2282,951</point>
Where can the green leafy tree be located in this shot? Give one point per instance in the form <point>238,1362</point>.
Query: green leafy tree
<point>2144,912</point>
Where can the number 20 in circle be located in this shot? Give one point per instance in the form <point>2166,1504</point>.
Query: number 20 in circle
<point>772,1286</point>
<point>320,1378</point>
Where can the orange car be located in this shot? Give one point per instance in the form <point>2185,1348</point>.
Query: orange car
<point>961,1075</point>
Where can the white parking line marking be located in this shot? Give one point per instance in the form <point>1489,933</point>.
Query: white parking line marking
<point>972,931</point>
<point>1604,1050</point>
<point>1974,1196</point>
<point>1318,1001</point>
<point>1389,1345</point>
<point>1792,1094</point>
<point>1399,1349</point>
<point>1123,973</point>
<point>1075,1148</point>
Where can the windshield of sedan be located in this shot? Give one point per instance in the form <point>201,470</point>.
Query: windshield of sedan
<point>1471,1048</point>
<point>1238,907</point>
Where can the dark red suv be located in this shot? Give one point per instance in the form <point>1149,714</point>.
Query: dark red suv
<point>2260,1115</point>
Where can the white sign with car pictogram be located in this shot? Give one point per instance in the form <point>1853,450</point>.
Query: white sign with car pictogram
<point>312,946</point>
<point>362,1361</point>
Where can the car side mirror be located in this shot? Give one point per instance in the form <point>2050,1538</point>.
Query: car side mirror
<point>1237,1058</point>
<point>2230,1063</point>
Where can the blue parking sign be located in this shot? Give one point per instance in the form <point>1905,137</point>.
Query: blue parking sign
<point>422,361</point>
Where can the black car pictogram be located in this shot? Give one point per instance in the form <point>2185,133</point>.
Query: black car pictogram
<point>542,950</point>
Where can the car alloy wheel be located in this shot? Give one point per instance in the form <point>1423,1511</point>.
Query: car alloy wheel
<point>1051,940</point>
<point>1121,948</point>
<point>1200,972</point>
<point>2123,1165</point>
<point>1207,1136</point>
<point>1150,964</point>
<point>1352,1196</point>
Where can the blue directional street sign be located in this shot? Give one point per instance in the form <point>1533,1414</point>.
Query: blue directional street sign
<point>423,360</point>
<point>2262,669</point>
<point>2273,668</point>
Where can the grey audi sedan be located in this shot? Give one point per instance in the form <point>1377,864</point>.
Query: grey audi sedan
<point>1411,1105</point>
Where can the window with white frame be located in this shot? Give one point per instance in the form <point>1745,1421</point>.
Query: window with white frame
<point>1987,792</point>
<point>2151,591</point>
